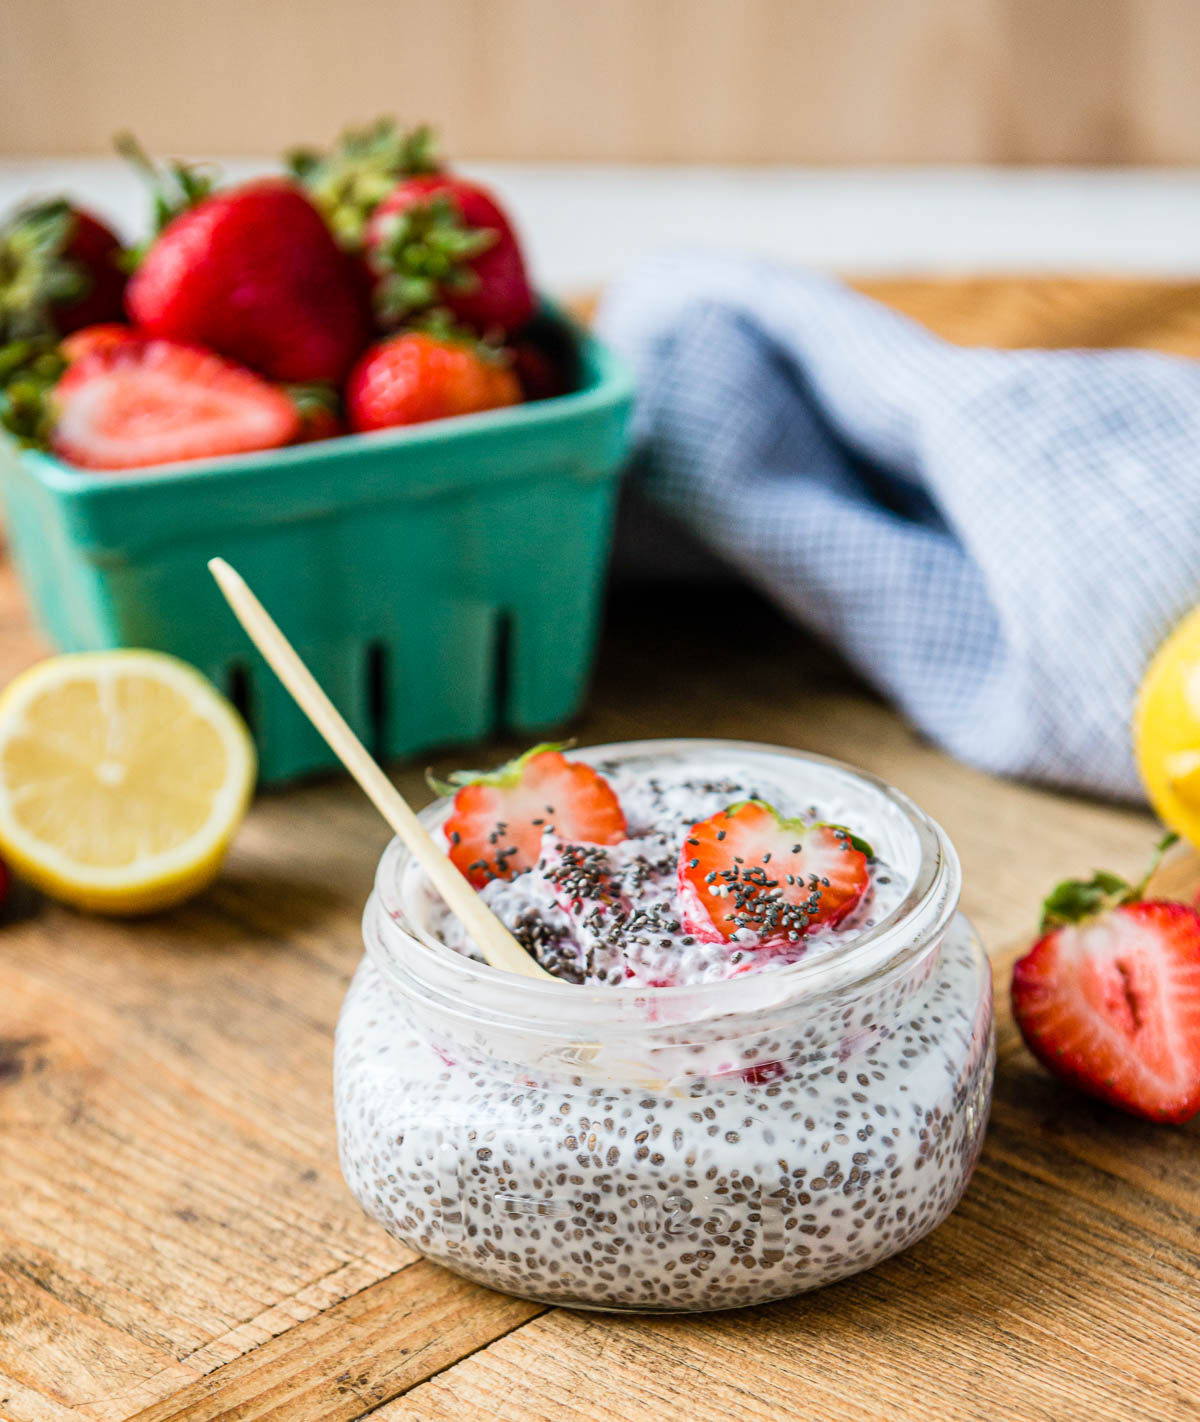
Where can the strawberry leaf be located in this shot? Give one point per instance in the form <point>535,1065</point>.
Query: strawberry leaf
<point>422,251</point>
<point>36,271</point>
<point>1074,900</point>
<point>1139,889</point>
<point>507,774</point>
<point>856,840</point>
<point>348,183</point>
<point>175,187</point>
<point>29,370</point>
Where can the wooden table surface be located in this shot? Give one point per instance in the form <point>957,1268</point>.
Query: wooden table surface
<point>176,1241</point>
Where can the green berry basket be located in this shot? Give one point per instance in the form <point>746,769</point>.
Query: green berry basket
<point>442,581</point>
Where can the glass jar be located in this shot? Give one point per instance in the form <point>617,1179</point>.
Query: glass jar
<point>677,1148</point>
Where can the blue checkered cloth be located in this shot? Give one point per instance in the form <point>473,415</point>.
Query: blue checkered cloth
<point>997,540</point>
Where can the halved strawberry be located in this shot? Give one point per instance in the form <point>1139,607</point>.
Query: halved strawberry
<point>495,830</point>
<point>1109,998</point>
<point>154,402</point>
<point>746,868</point>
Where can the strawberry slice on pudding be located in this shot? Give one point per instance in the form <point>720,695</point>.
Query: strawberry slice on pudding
<point>496,826</point>
<point>747,870</point>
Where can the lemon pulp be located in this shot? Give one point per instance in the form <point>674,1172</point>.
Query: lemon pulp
<point>123,776</point>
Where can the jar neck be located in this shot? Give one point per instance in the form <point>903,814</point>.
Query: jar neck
<point>665,1033</point>
<point>793,1020</point>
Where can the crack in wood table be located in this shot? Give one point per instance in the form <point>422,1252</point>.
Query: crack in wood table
<point>176,1242</point>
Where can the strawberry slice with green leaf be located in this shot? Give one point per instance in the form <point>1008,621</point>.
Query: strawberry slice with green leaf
<point>1108,999</point>
<point>747,868</point>
<point>495,828</point>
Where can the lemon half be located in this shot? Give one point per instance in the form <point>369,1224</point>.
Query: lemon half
<point>1166,729</point>
<point>123,776</point>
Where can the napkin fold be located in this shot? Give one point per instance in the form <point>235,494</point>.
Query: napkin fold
<point>997,540</point>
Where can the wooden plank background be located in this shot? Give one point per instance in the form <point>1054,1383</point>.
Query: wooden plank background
<point>826,81</point>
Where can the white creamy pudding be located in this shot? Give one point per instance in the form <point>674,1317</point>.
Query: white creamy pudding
<point>613,913</point>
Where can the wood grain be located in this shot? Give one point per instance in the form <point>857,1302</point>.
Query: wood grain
<point>175,1239</point>
<point>357,1355</point>
<point>1084,81</point>
<point>1053,312</point>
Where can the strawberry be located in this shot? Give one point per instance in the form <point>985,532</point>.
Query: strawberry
<point>495,829</point>
<point>419,375</point>
<point>319,409</point>
<point>106,336</point>
<point>155,402</point>
<point>538,376</point>
<point>441,241</point>
<point>1108,999</point>
<point>254,273</point>
<point>746,868</point>
<point>348,183</point>
<point>60,269</point>
<point>545,358</point>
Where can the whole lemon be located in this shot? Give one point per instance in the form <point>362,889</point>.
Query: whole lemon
<point>1166,729</point>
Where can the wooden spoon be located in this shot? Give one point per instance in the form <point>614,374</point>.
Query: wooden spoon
<point>495,942</point>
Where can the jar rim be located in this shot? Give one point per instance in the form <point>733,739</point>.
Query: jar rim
<point>421,964</point>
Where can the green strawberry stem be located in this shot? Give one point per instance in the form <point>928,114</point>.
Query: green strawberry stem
<point>439,323</point>
<point>35,273</point>
<point>29,370</point>
<point>174,187</point>
<point>422,252</point>
<point>315,397</point>
<point>801,827</point>
<point>348,183</point>
<point>507,774</point>
<point>1074,900</point>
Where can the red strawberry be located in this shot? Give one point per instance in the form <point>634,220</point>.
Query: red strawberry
<point>495,829</point>
<point>60,269</point>
<point>441,241</point>
<point>745,868</point>
<point>1109,998</point>
<point>154,402</point>
<point>105,337</point>
<point>419,376</point>
<point>255,274</point>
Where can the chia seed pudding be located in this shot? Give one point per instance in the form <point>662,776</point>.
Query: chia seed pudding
<point>760,1125</point>
<point>611,913</point>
